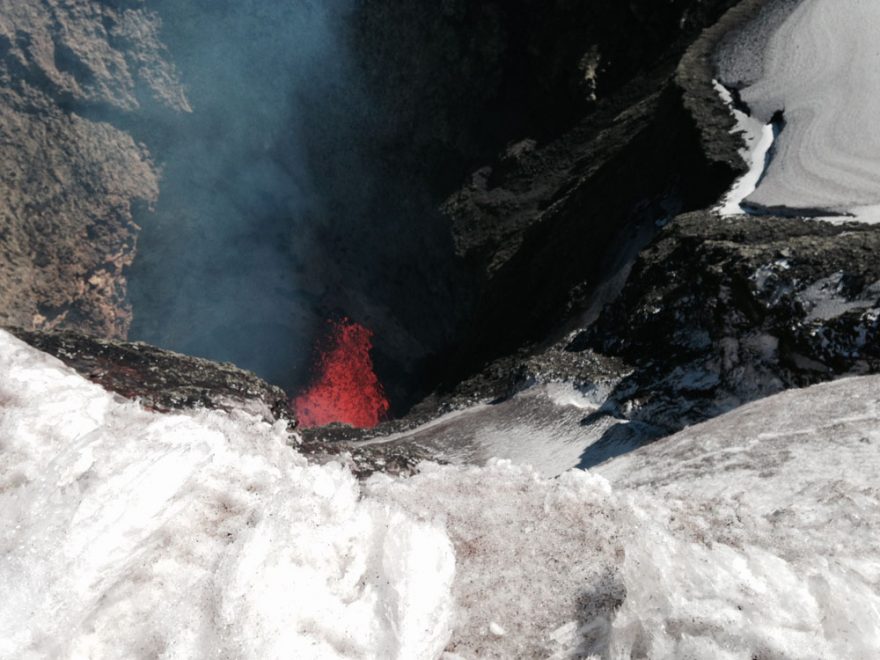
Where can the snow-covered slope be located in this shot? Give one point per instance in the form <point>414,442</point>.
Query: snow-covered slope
<point>549,427</point>
<point>762,528</point>
<point>127,533</point>
<point>820,68</point>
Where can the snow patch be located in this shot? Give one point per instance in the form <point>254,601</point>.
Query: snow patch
<point>758,138</point>
<point>541,426</point>
<point>826,300</point>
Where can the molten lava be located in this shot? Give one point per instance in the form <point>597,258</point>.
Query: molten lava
<point>346,389</point>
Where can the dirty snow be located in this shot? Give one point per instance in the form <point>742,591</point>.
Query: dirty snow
<point>127,533</point>
<point>130,534</point>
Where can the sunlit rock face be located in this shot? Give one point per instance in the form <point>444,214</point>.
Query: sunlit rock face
<point>71,181</point>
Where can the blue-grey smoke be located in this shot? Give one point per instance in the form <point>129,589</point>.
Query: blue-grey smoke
<point>222,268</point>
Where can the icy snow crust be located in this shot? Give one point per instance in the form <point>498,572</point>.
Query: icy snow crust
<point>132,534</point>
<point>820,67</point>
<point>541,426</point>
<point>128,534</point>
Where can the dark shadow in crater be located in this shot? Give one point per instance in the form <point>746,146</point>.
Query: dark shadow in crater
<point>274,213</point>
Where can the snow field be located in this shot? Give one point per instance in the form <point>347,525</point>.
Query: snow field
<point>126,533</point>
<point>820,69</point>
<point>132,534</point>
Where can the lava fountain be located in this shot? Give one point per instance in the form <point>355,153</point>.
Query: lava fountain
<point>346,389</point>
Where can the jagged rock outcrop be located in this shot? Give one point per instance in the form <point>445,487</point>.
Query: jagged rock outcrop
<point>161,380</point>
<point>70,178</point>
<point>721,311</point>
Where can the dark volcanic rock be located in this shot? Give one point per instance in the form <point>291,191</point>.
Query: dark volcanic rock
<point>551,225</point>
<point>395,459</point>
<point>160,379</point>
<point>544,224</point>
<point>721,311</point>
<point>465,77</point>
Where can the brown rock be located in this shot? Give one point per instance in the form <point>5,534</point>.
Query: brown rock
<point>69,178</point>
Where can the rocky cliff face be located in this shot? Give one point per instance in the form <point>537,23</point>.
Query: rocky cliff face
<point>573,113</point>
<point>466,78</point>
<point>70,177</point>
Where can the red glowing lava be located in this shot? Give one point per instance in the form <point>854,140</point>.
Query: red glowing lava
<point>346,389</point>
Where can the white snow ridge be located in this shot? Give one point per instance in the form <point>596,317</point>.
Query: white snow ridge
<point>131,534</point>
